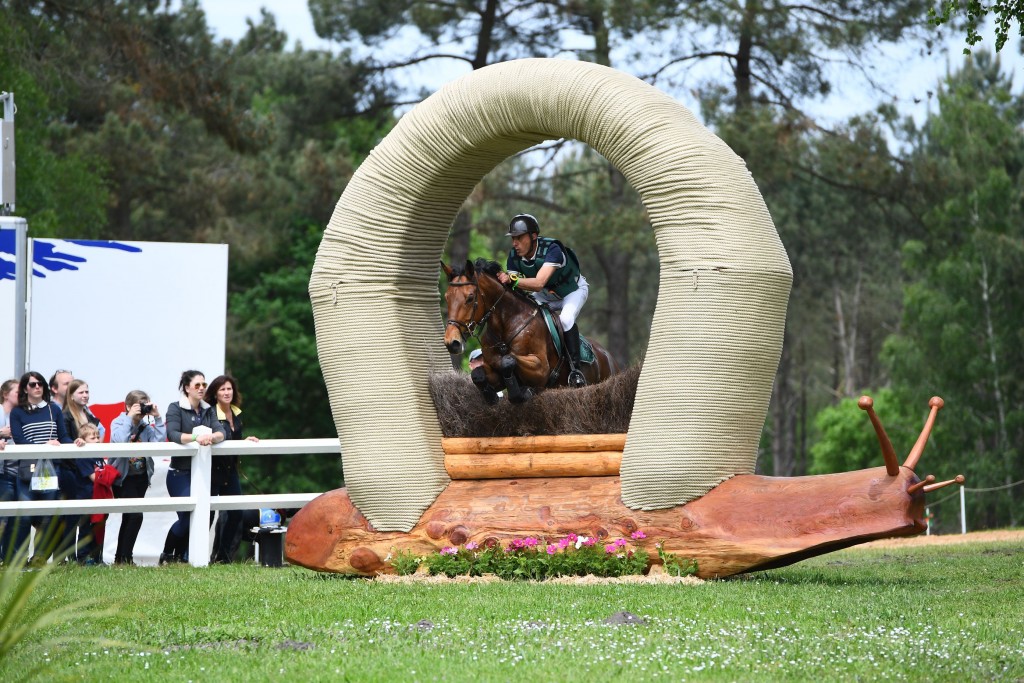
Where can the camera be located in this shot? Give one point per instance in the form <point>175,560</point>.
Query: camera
<point>145,408</point>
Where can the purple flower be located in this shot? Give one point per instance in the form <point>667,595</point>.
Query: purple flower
<point>620,543</point>
<point>472,545</point>
<point>552,549</point>
<point>530,542</point>
<point>637,535</point>
<point>448,550</point>
<point>609,549</point>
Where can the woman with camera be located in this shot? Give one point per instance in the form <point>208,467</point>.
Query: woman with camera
<point>224,393</point>
<point>190,420</point>
<point>76,475</point>
<point>140,422</point>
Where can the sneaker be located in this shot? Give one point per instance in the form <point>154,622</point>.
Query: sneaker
<point>170,558</point>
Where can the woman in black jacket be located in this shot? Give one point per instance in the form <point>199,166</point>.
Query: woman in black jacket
<point>183,418</point>
<point>227,397</point>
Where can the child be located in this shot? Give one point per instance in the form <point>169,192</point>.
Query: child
<point>102,480</point>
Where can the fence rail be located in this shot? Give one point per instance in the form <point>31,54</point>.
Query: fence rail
<point>199,503</point>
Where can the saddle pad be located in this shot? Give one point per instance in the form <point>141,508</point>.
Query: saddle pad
<point>586,350</point>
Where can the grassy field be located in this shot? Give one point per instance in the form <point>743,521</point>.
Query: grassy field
<point>928,613</point>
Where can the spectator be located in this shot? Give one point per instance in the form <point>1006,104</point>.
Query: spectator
<point>36,420</point>
<point>227,397</point>
<point>103,477</point>
<point>77,475</point>
<point>59,382</point>
<point>8,468</point>
<point>184,419</point>
<point>76,409</point>
<point>140,423</point>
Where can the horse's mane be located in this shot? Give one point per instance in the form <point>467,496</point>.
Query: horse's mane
<point>492,268</point>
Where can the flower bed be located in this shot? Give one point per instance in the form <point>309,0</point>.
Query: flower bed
<point>536,559</point>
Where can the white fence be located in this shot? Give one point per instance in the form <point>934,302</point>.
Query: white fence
<point>199,503</point>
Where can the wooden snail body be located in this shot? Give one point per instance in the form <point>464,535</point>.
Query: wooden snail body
<point>747,523</point>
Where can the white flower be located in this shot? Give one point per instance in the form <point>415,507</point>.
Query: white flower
<point>580,541</point>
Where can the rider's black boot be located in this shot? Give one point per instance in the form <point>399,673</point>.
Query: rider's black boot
<point>572,347</point>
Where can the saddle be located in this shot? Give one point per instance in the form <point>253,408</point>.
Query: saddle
<point>555,329</point>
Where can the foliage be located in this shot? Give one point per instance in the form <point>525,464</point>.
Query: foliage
<point>675,565</point>
<point>1002,11</point>
<point>22,614</point>
<point>848,441</point>
<point>535,560</point>
<point>405,562</point>
<point>961,332</point>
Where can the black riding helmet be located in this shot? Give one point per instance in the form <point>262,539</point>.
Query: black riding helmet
<point>522,224</point>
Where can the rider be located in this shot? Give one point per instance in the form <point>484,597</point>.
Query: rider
<point>551,272</point>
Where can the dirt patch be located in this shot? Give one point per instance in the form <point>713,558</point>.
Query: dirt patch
<point>948,539</point>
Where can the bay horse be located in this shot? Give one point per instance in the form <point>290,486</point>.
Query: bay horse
<point>519,352</point>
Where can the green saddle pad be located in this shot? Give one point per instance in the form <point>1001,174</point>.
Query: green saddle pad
<point>586,350</point>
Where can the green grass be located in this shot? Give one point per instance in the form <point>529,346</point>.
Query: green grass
<point>930,613</point>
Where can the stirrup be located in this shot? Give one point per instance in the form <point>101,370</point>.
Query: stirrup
<point>576,379</point>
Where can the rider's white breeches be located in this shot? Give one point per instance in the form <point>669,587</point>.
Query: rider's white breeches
<point>569,307</point>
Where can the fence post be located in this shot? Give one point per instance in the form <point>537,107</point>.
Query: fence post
<point>199,529</point>
<point>963,512</point>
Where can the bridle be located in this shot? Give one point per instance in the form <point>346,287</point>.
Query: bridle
<point>466,329</point>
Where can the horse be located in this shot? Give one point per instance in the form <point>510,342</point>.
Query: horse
<point>519,351</point>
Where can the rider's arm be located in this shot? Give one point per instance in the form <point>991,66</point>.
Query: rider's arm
<point>535,284</point>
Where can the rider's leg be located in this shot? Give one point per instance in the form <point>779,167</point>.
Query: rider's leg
<point>571,306</point>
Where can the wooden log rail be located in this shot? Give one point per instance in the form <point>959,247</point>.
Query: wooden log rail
<point>569,455</point>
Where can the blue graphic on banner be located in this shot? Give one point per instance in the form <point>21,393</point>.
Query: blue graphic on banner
<point>46,257</point>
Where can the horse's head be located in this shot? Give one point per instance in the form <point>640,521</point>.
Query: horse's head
<point>464,310</point>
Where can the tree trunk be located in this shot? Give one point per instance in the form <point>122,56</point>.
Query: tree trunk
<point>615,264</point>
<point>783,421</point>
<point>744,52</point>
<point>846,337</point>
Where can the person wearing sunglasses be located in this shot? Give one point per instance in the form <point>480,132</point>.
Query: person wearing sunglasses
<point>37,421</point>
<point>184,422</point>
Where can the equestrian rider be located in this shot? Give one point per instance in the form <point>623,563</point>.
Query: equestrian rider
<point>550,271</point>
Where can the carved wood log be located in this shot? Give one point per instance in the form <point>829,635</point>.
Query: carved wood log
<point>747,523</point>
<point>519,465</point>
<point>565,443</point>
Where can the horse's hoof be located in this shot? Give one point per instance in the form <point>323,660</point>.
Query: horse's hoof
<point>577,380</point>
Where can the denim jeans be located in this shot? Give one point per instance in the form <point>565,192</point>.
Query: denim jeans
<point>8,493</point>
<point>46,525</point>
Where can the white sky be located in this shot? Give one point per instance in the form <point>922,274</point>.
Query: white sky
<point>906,75</point>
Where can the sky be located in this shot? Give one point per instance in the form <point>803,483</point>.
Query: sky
<point>906,76</point>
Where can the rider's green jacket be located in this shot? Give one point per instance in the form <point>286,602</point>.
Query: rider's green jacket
<point>563,281</point>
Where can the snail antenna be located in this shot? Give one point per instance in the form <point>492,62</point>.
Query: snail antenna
<point>935,403</point>
<point>892,467</point>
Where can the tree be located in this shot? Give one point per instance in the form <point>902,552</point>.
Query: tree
<point>1003,11</point>
<point>961,330</point>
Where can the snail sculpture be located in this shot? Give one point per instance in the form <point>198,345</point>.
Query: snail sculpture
<point>685,472</point>
<point>747,523</point>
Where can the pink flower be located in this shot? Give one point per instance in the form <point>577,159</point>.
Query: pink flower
<point>571,538</point>
<point>620,543</point>
<point>472,545</point>
<point>448,550</point>
<point>589,541</point>
<point>609,549</point>
<point>530,542</point>
<point>552,549</point>
<point>637,535</point>
<point>564,543</point>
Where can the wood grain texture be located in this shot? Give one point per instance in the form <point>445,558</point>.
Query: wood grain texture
<point>747,523</point>
<point>520,465</point>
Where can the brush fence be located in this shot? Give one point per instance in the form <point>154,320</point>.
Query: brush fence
<point>717,331</point>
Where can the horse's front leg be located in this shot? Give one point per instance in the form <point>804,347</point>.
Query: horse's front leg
<point>486,380</point>
<point>517,393</point>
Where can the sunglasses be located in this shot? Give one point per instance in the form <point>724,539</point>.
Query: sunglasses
<point>33,385</point>
<point>199,385</point>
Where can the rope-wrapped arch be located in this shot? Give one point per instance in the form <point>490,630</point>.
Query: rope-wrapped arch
<point>718,326</point>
